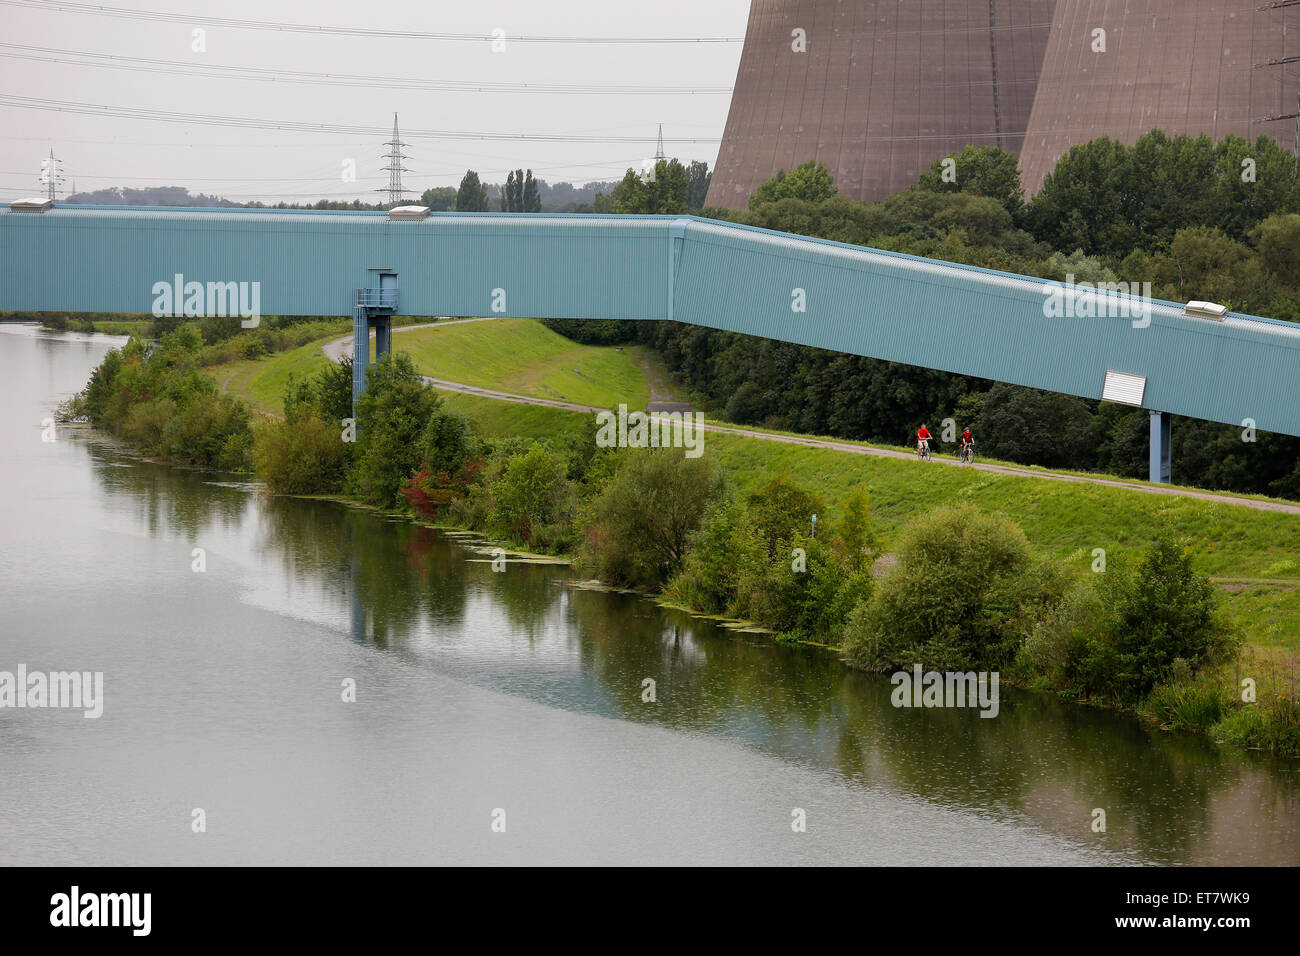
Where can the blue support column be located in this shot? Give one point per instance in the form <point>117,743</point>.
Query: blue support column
<point>1161,464</point>
<point>360,352</point>
<point>383,336</point>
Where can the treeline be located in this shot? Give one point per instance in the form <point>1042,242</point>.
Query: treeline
<point>1196,219</point>
<point>667,187</point>
<point>149,196</point>
<point>557,197</point>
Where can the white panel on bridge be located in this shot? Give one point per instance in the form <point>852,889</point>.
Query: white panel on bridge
<point>1124,387</point>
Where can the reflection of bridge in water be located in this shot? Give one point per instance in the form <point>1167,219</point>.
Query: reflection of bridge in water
<point>1236,369</point>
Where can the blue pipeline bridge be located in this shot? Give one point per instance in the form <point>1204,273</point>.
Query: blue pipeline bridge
<point>1191,359</point>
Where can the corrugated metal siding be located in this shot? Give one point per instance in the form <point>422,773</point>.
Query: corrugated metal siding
<point>886,305</point>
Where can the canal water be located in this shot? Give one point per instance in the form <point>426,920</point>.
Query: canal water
<point>484,697</point>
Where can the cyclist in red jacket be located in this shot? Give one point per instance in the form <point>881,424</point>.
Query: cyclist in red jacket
<point>923,439</point>
<point>967,441</point>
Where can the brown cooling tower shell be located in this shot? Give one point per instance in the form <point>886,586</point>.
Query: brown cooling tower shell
<point>1183,66</point>
<point>885,88</point>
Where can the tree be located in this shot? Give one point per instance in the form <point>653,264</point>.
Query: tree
<point>1252,182</point>
<point>698,178</point>
<point>1208,265</point>
<point>854,529</point>
<point>962,597</point>
<point>641,522</point>
<point>392,415</point>
<point>529,494</point>
<point>439,198</point>
<point>1028,426</point>
<point>331,390</point>
<point>810,181</point>
<point>472,195</point>
<point>1278,240</point>
<point>303,455</point>
<point>512,194</point>
<point>1154,615</point>
<point>779,510</point>
<point>1081,202</point>
<point>984,171</point>
<point>662,192</point>
<point>530,199</point>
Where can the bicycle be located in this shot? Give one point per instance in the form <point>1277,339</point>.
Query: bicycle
<point>968,452</point>
<point>923,449</point>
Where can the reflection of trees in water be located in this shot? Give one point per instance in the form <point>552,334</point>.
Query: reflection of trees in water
<point>1041,758</point>
<point>527,594</point>
<point>1055,762</point>
<point>398,575</point>
<point>165,499</point>
<point>706,677</point>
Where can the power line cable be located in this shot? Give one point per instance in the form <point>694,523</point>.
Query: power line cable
<point>158,16</point>
<point>241,122</point>
<point>302,77</point>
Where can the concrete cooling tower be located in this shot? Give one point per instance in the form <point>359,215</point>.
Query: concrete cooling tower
<point>1183,66</point>
<point>877,90</point>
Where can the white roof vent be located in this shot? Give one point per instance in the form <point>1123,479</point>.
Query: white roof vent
<point>1124,387</point>
<point>408,213</point>
<point>36,204</point>
<point>1205,310</point>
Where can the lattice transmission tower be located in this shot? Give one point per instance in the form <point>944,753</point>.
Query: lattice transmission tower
<point>51,176</point>
<point>395,157</point>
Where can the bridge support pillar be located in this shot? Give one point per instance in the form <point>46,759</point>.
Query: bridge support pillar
<point>360,352</point>
<point>383,336</point>
<point>1161,461</point>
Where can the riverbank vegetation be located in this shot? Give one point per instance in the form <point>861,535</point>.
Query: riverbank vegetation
<point>963,588</point>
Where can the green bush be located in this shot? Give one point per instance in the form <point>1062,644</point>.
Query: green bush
<point>146,421</point>
<point>1056,645</point>
<point>531,494</point>
<point>254,346</point>
<point>964,595</point>
<point>639,526</point>
<point>743,562</point>
<point>236,452</point>
<point>1244,726</point>
<point>780,510</point>
<point>1159,612</point>
<point>809,604</point>
<point>198,432</point>
<point>708,578</point>
<point>301,456</point>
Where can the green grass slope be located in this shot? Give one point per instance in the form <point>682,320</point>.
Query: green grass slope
<point>521,356</point>
<point>524,357</point>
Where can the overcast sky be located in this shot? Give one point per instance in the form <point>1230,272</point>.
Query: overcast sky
<point>98,151</point>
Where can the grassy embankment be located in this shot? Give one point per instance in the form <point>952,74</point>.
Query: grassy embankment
<point>510,355</point>
<point>1065,520</point>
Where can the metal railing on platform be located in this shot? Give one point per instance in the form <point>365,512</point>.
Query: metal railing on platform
<point>377,298</point>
